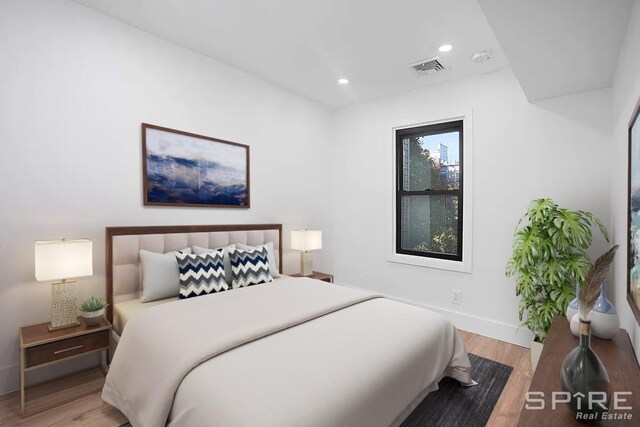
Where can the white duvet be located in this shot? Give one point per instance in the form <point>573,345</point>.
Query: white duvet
<point>294,353</point>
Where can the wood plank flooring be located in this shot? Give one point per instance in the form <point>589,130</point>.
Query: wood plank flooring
<point>92,411</point>
<point>507,410</point>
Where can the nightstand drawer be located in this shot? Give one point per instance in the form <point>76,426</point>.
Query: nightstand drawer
<point>46,353</point>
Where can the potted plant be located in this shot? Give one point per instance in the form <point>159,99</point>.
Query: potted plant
<point>93,310</point>
<point>549,258</point>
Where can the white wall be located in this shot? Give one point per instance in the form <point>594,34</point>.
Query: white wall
<point>74,88</point>
<point>522,151</point>
<point>626,93</point>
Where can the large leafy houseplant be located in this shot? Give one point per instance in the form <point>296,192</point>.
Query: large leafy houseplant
<point>549,259</point>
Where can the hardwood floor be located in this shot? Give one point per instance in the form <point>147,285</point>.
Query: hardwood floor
<point>92,411</point>
<point>89,410</point>
<point>507,410</point>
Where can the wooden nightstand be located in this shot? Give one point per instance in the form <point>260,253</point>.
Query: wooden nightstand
<point>318,276</point>
<point>40,348</point>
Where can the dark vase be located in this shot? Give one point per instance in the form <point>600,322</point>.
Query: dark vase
<point>584,376</point>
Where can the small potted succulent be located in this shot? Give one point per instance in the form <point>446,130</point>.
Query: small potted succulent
<point>93,310</point>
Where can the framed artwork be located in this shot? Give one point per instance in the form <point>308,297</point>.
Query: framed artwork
<point>185,169</point>
<point>633,220</point>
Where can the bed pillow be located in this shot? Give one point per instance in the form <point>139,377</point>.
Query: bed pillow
<point>249,267</point>
<point>273,265</point>
<point>160,275</point>
<point>201,274</point>
<point>199,250</point>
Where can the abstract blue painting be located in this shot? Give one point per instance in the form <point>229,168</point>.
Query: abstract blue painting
<point>634,214</point>
<point>186,169</point>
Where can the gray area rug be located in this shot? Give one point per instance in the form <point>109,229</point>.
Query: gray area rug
<point>453,405</point>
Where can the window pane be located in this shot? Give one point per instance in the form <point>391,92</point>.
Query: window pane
<point>431,162</point>
<point>429,224</point>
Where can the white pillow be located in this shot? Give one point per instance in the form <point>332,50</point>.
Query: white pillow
<point>160,275</point>
<point>199,250</point>
<point>273,266</point>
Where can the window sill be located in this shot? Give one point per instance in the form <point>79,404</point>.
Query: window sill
<point>441,264</point>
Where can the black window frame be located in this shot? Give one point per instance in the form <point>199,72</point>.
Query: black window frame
<point>425,130</point>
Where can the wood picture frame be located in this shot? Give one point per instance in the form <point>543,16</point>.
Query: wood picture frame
<point>186,169</point>
<point>633,214</point>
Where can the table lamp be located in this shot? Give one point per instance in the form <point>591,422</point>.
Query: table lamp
<point>60,260</point>
<point>306,241</point>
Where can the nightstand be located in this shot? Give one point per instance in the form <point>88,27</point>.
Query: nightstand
<point>318,276</point>
<point>39,348</point>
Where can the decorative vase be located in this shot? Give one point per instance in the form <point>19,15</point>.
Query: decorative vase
<point>605,322</point>
<point>585,378</point>
<point>572,308</point>
<point>92,318</point>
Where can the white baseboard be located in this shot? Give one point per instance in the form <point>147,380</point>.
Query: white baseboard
<point>478,325</point>
<point>9,379</point>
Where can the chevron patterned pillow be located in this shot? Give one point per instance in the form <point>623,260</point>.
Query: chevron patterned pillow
<point>201,274</point>
<point>249,267</point>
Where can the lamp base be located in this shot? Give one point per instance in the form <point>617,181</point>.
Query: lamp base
<point>64,305</point>
<point>306,263</point>
<point>70,325</point>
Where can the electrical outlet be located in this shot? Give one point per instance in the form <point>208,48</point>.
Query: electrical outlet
<point>456,296</point>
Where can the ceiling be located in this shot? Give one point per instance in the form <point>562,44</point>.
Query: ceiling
<point>560,47</point>
<point>555,47</point>
<point>306,45</point>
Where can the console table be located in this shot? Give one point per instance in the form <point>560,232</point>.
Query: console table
<point>618,358</point>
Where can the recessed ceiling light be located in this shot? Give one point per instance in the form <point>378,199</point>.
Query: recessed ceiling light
<point>445,48</point>
<point>343,81</point>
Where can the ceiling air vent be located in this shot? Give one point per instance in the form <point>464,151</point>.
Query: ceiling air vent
<point>427,67</point>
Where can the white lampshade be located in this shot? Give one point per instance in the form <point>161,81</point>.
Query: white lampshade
<point>306,240</point>
<point>63,259</point>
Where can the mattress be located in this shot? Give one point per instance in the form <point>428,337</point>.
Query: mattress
<point>123,311</point>
<point>296,352</point>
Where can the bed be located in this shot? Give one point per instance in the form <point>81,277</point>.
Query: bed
<point>293,352</point>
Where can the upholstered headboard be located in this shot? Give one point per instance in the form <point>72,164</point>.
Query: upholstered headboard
<point>123,245</point>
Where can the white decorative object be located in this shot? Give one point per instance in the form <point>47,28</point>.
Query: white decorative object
<point>572,308</point>
<point>605,322</point>
<point>306,241</point>
<point>61,260</point>
<point>604,318</point>
<point>604,325</point>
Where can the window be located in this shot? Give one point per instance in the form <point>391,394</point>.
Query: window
<point>429,193</point>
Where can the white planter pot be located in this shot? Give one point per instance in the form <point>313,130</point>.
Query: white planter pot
<point>536,351</point>
<point>92,318</point>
